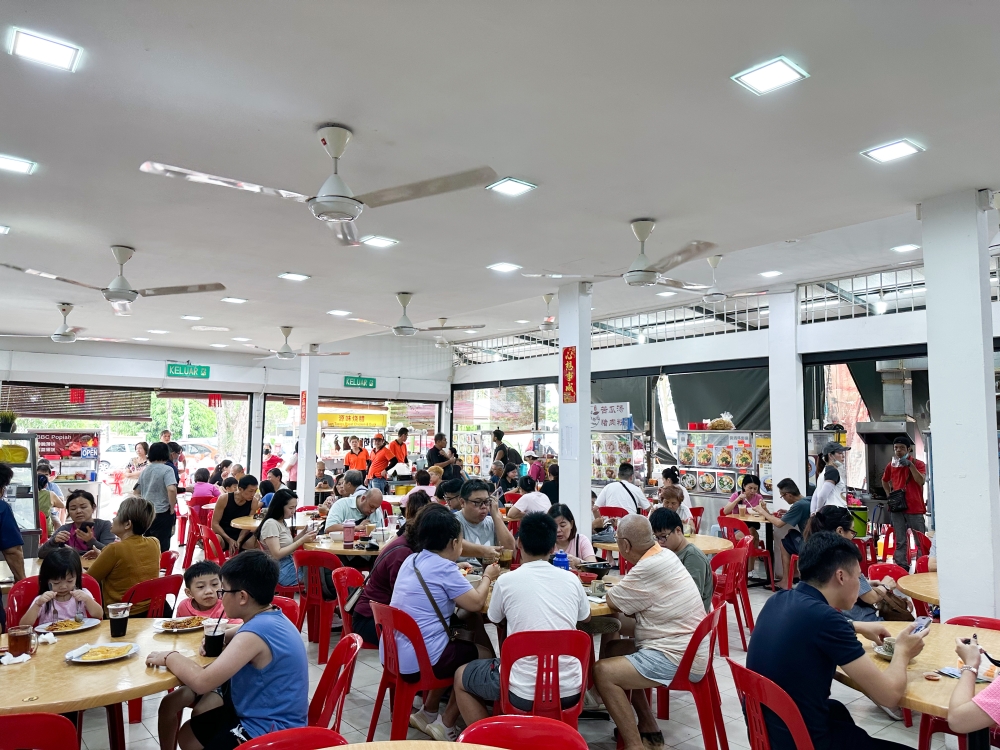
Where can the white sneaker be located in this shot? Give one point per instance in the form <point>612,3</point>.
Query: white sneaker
<point>592,701</point>
<point>893,713</point>
<point>418,720</point>
<point>440,732</point>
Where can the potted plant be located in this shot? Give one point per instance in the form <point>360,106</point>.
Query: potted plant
<point>8,420</point>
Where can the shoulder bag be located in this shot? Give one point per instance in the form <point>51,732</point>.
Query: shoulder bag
<point>456,630</point>
<point>631,496</point>
<point>897,501</point>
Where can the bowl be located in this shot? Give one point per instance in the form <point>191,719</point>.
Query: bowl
<point>587,578</point>
<point>598,569</point>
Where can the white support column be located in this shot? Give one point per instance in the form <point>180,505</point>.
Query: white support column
<point>256,457</point>
<point>963,404</point>
<point>308,419</point>
<point>574,418</point>
<point>784,367</point>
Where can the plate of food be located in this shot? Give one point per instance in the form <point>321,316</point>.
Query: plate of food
<point>178,624</point>
<point>706,482</point>
<point>689,481</point>
<point>98,654</point>
<point>62,627</point>
<point>726,483</point>
<point>705,456</point>
<point>744,458</point>
<point>685,456</point>
<point>763,455</point>
<point>724,457</point>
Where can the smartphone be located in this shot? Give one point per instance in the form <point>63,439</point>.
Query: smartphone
<point>922,624</point>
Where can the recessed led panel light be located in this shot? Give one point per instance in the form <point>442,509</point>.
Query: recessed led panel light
<point>373,240</point>
<point>240,338</point>
<point>190,317</point>
<point>906,248</point>
<point>770,274</point>
<point>4,230</point>
<point>219,346</point>
<point>13,164</point>
<point>503,267</point>
<point>770,75</point>
<point>156,330</point>
<point>234,300</point>
<point>46,51</point>
<point>510,186</point>
<point>892,151</point>
<point>338,313</point>
<point>522,321</point>
<point>471,331</point>
<point>665,294</point>
<point>209,328</point>
<point>293,276</point>
<point>139,338</point>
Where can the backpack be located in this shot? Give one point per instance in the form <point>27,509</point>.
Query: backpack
<point>513,457</point>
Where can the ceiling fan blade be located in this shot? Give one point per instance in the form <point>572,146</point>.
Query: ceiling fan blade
<point>347,233</point>
<point>748,294</point>
<point>122,308</point>
<point>479,177</point>
<point>694,250</point>
<point>323,354</point>
<point>453,328</point>
<point>273,356</point>
<point>44,275</point>
<point>684,286</point>
<point>160,291</point>
<point>22,336</point>
<point>369,322</point>
<point>549,275</point>
<point>165,170</point>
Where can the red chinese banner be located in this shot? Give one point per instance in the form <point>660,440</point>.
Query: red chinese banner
<point>302,407</point>
<point>77,395</point>
<point>214,400</point>
<point>569,374</point>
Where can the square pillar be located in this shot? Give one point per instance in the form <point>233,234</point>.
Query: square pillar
<point>574,405</point>
<point>788,416</point>
<point>255,455</point>
<point>308,420</point>
<point>963,404</point>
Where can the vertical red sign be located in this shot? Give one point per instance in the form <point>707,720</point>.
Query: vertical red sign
<point>569,374</point>
<point>214,400</point>
<point>302,407</point>
<point>77,395</point>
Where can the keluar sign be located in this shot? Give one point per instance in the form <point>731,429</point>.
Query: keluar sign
<point>184,370</point>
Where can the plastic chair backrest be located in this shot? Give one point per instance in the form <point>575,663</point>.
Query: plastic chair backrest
<point>519,732</point>
<point>389,622</point>
<point>881,570</point>
<point>43,524</point>
<point>756,690</point>
<point>547,646</point>
<point>167,561</point>
<point>288,607</point>
<point>707,628</point>
<point>344,579</point>
<point>922,542</point>
<point>23,593</point>
<point>306,508</point>
<point>974,621</point>
<point>512,527</point>
<point>732,564</point>
<point>510,498</point>
<point>314,561</point>
<point>155,592</point>
<point>38,731</point>
<point>328,701</point>
<point>696,513</point>
<point>730,526</point>
<point>863,550</point>
<point>923,565</point>
<point>609,512</point>
<point>299,738</point>
<point>213,546</point>
<point>386,510</point>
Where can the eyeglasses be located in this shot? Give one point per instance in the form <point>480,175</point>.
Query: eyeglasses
<point>220,592</point>
<point>478,503</point>
<point>662,537</point>
<point>852,533</point>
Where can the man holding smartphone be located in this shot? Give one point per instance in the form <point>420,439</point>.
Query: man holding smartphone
<point>908,474</point>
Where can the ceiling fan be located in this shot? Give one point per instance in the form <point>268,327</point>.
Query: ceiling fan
<point>64,334</point>
<point>549,321</point>
<point>404,327</point>
<point>335,202</point>
<point>119,292</point>
<point>286,352</point>
<point>643,272</point>
<point>713,295</point>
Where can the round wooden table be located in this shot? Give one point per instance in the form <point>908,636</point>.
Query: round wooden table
<point>249,523</point>
<point>922,586</point>
<point>47,683</point>
<point>707,544</point>
<point>338,548</point>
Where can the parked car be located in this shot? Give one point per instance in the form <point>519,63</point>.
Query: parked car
<point>199,455</point>
<point>115,456</point>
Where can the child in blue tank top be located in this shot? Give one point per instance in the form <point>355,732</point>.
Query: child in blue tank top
<point>263,662</point>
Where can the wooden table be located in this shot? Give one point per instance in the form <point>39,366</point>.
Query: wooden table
<point>707,544</point>
<point>939,651</point>
<point>49,684</point>
<point>922,586</point>
<point>338,549</point>
<point>249,523</point>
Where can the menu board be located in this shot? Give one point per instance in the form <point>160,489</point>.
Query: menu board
<point>716,450</point>
<point>57,445</point>
<point>608,451</point>
<point>469,446</point>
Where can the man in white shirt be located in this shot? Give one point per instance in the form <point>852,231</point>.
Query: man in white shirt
<point>826,493</point>
<point>362,505</point>
<point>536,596</point>
<point>623,494</point>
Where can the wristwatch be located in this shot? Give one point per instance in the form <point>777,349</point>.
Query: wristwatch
<point>967,668</point>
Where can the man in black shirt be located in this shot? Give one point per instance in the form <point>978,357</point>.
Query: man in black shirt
<point>435,457</point>
<point>801,638</point>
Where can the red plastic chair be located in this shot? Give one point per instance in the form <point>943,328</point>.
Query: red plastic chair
<point>193,537</point>
<point>919,544</point>
<point>288,607</point>
<point>39,732</point>
<point>183,514</point>
<point>888,542</point>
<point>731,567</point>
<point>306,508</point>
<point>922,565</point>
<point>863,550</point>
<point>730,526</point>
<point>386,511</point>
<point>547,646</point>
<point>609,512</point>
<point>696,513</point>
<point>214,550</point>
<point>23,593</point>
<point>300,738</point>
<point>706,690</point>
<point>755,691</point>
<point>343,580</point>
<point>793,563</point>
<point>155,592</point>
<point>168,560</point>
<point>43,524</point>
<point>520,732</point>
<point>512,527</point>
<point>328,701</point>
<point>313,609</point>
<point>510,498</point>
<point>974,621</point>
<point>388,622</point>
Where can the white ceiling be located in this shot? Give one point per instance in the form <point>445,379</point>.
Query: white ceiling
<point>616,110</point>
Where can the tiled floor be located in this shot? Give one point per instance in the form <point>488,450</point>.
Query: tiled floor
<point>681,731</point>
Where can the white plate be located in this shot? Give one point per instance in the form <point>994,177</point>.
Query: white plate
<point>88,623</point>
<point>158,625</point>
<point>75,654</point>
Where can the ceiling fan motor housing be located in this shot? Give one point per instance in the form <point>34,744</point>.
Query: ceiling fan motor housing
<point>335,202</point>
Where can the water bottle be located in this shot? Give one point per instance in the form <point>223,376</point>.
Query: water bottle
<point>561,560</point>
<point>348,534</point>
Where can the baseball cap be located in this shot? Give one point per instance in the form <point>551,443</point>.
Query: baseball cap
<point>833,447</point>
<point>379,436</point>
<point>530,453</point>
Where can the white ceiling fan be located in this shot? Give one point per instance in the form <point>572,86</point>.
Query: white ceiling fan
<point>549,321</point>
<point>286,352</point>
<point>335,202</point>
<point>404,327</point>
<point>119,292</point>
<point>713,295</point>
<point>64,334</point>
<point>643,272</point>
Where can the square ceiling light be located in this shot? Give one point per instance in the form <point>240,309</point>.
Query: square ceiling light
<point>770,274</point>
<point>157,331</point>
<point>45,51</point>
<point>511,187</point>
<point>219,346</point>
<point>293,276</point>
<point>892,151</point>
<point>338,313</point>
<point>234,300</point>
<point>240,338</point>
<point>190,317</point>
<point>209,328</point>
<point>503,267</point>
<point>522,322</point>
<point>4,230</point>
<point>373,240</point>
<point>665,294</point>
<point>771,75</point>
<point>139,338</point>
<point>13,164</point>
<point>906,248</point>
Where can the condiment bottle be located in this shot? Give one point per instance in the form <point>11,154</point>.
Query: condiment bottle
<point>561,560</point>
<point>348,533</point>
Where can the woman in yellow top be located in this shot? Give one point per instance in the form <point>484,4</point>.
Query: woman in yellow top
<point>131,560</point>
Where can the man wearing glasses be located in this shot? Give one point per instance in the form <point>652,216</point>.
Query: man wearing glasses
<point>797,516</point>
<point>484,533</point>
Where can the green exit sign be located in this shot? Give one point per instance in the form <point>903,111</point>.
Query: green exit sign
<point>181,370</point>
<point>352,381</point>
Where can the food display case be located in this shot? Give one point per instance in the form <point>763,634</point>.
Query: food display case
<point>75,456</point>
<point>19,452</point>
<point>711,462</point>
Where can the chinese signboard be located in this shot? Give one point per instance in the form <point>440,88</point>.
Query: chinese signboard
<point>346,421</point>
<point>355,381</point>
<point>53,444</point>
<point>302,407</point>
<point>569,375</point>
<point>611,417</point>
<point>181,370</point>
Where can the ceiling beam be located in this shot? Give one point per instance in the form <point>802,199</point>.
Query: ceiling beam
<point>848,296</point>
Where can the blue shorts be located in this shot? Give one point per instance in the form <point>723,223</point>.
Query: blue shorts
<point>654,665</point>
